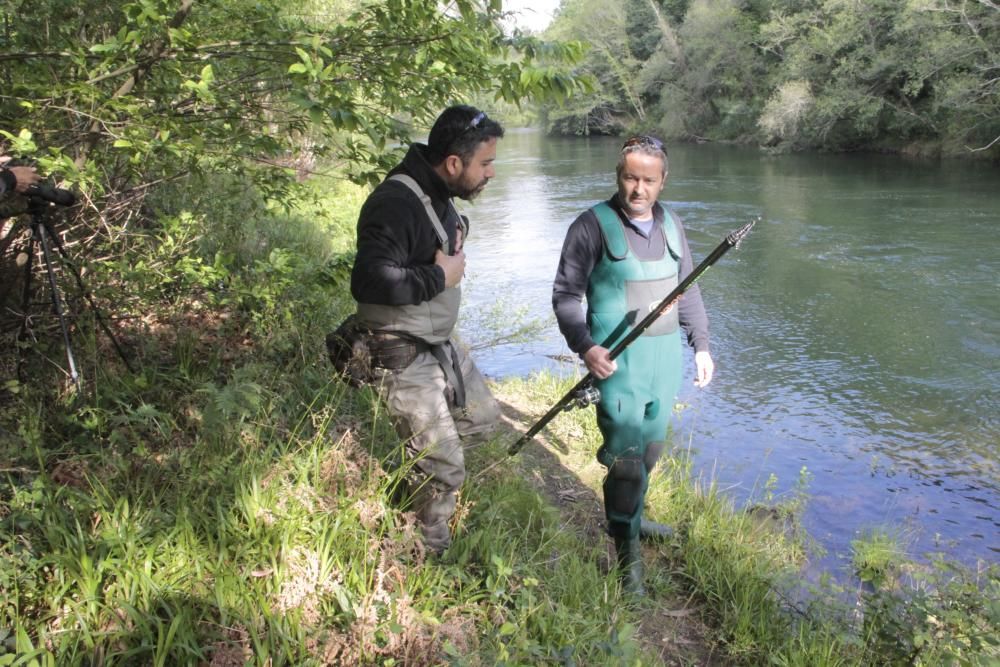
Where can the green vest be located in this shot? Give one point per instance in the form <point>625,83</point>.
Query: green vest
<point>624,289</point>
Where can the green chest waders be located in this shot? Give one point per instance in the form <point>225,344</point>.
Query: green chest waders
<point>636,400</point>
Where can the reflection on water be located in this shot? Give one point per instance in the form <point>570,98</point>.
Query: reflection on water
<point>856,331</point>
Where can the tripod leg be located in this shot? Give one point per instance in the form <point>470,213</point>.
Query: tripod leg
<point>25,298</point>
<point>57,304</point>
<point>90,300</point>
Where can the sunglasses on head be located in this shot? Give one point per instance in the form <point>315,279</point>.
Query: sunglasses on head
<point>476,120</point>
<point>644,140</point>
<point>473,124</point>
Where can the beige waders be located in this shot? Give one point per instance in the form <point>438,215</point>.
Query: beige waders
<point>422,403</point>
<point>438,398</point>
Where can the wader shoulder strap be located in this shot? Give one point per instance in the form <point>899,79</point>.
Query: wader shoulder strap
<point>671,229</point>
<point>452,371</point>
<point>426,201</point>
<point>611,229</point>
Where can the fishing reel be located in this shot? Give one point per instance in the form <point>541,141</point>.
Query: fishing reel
<point>584,396</point>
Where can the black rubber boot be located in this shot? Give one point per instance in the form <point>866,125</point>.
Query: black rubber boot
<point>650,530</point>
<point>630,565</point>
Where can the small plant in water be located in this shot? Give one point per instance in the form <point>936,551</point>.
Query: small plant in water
<point>876,556</point>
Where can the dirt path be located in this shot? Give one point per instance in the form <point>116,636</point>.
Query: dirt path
<point>670,625</point>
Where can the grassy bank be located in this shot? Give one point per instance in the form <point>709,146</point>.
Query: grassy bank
<point>230,504</point>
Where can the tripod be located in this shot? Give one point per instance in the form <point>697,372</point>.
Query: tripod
<point>40,201</point>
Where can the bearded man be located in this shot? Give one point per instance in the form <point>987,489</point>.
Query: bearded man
<point>406,280</point>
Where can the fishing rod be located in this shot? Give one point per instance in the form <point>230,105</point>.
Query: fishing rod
<point>584,392</point>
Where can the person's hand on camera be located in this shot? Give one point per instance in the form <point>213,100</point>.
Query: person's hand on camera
<point>24,177</point>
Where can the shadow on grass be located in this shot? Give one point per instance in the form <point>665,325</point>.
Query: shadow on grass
<point>581,509</point>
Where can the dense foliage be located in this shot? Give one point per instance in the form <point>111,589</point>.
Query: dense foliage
<point>119,94</point>
<point>921,76</point>
<point>156,109</point>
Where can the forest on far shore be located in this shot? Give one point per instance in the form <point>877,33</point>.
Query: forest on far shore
<point>915,76</point>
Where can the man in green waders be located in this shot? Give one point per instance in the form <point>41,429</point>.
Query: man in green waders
<point>406,279</point>
<point>625,255</point>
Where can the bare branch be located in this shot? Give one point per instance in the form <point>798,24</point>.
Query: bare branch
<point>28,55</point>
<point>983,148</point>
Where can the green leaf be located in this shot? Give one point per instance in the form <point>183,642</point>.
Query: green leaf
<point>104,47</point>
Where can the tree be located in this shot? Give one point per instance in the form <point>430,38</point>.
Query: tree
<point>122,94</point>
<point>919,76</point>
<point>122,100</point>
<point>723,70</point>
<point>886,72</point>
<point>615,99</point>
<point>957,70</point>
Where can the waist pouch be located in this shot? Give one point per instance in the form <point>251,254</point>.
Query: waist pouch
<point>396,350</point>
<point>348,350</point>
<point>356,351</point>
<point>393,352</point>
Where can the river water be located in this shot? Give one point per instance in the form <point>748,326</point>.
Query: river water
<point>856,331</point>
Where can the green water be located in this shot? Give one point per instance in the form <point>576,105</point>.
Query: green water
<point>856,332</point>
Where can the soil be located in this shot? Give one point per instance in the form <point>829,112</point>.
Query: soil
<point>670,625</point>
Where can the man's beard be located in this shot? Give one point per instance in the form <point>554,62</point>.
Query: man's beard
<point>468,191</point>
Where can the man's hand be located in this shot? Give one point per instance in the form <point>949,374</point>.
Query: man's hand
<point>453,266</point>
<point>599,362</point>
<point>25,176</point>
<point>704,369</point>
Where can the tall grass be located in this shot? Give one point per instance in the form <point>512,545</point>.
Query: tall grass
<point>741,567</point>
<point>231,504</point>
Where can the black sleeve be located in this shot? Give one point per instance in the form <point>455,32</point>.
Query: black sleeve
<point>395,265</point>
<point>691,309</point>
<point>7,180</point>
<point>581,250</point>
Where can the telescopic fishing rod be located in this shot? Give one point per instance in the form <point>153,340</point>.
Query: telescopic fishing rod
<point>584,392</point>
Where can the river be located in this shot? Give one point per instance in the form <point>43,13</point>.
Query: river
<point>856,332</point>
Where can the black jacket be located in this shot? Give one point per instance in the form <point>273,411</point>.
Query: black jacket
<point>7,180</point>
<point>397,243</point>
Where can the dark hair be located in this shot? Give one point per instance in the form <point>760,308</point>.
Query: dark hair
<point>458,131</point>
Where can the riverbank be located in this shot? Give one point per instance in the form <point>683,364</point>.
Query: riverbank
<point>274,540</point>
<point>818,324</point>
<point>230,504</point>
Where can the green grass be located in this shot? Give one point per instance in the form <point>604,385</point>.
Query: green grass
<point>230,504</point>
<point>876,555</point>
<point>275,539</point>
